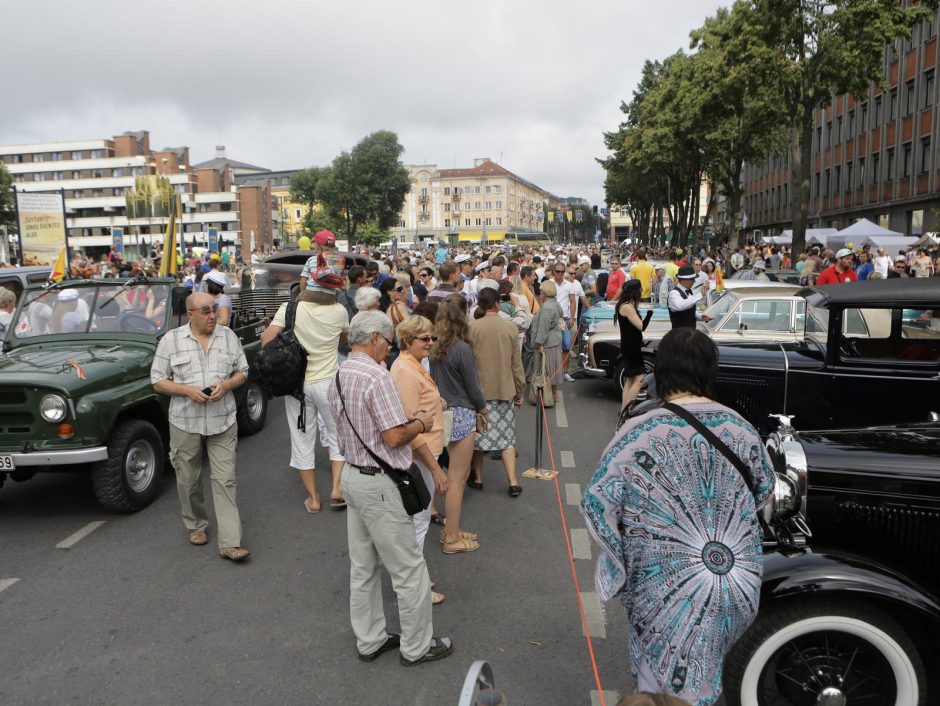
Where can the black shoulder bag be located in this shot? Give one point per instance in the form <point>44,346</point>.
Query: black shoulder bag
<point>414,493</point>
<point>723,449</point>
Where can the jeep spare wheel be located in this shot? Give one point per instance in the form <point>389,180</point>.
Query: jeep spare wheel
<point>253,410</point>
<point>130,477</point>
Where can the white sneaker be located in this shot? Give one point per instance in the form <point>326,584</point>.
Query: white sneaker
<point>568,378</point>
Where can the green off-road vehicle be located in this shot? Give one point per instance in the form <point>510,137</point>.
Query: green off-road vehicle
<point>75,392</point>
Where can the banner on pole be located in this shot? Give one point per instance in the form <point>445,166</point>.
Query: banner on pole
<point>213,240</point>
<point>42,227</point>
<point>117,239</point>
<point>578,216</point>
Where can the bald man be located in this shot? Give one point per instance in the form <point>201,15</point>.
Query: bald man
<point>198,365</point>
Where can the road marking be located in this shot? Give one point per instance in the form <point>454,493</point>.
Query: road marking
<point>74,539</point>
<point>572,493</point>
<point>610,697</point>
<point>594,614</point>
<point>6,583</point>
<point>580,544</point>
<point>561,418</point>
<point>567,459</point>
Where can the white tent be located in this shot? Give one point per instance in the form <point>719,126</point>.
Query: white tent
<point>813,235</point>
<point>864,228</point>
<point>892,245</point>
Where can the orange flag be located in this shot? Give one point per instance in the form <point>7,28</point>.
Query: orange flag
<point>719,280</point>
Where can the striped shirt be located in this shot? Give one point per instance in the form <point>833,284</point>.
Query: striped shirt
<point>180,358</point>
<point>373,405</point>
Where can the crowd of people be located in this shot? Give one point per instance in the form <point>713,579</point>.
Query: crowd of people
<point>421,359</point>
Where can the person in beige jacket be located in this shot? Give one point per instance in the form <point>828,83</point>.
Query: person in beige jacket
<point>495,343</point>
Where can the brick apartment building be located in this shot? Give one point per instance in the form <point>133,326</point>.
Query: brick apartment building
<point>95,173</point>
<point>874,156</point>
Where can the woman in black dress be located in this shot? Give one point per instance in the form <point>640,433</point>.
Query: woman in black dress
<point>631,337</point>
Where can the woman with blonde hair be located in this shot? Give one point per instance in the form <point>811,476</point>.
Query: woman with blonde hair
<point>419,392</point>
<point>808,274</point>
<point>454,370</point>
<point>546,334</point>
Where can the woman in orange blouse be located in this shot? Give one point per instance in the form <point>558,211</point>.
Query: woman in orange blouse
<point>419,392</point>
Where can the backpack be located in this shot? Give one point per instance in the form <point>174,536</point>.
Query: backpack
<point>280,366</point>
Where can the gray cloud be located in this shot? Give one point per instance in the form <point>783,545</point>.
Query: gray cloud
<point>289,84</point>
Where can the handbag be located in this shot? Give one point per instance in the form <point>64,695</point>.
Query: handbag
<point>415,496</point>
<point>541,381</point>
<point>723,449</point>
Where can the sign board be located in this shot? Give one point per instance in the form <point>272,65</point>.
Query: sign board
<point>117,239</point>
<point>578,216</point>
<point>42,227</point>
<point>213,240</point>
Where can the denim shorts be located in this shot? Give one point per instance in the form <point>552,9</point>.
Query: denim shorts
<point>566,337</point>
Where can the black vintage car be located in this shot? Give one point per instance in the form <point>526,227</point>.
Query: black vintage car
<point>870,354</point>
<point>850,609</point>
<point>282,270</point>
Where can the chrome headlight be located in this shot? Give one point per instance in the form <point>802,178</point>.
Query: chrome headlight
<point>790,488</point>
<point>52,408</point>
<point>784,503</point>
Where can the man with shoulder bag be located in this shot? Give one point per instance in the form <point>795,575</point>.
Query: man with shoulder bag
<point>373,434</point>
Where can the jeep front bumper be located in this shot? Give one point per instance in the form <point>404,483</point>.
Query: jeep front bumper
<point>68,457</point>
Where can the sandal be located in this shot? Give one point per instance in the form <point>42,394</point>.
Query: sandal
<point>437,598</point>
<point>234,553</point>
<point>307,506</point>
<point>198,537</point>
<point>461,535</point>
<point>337,503</point>
<point>438,519</point>
<point>465,546</point>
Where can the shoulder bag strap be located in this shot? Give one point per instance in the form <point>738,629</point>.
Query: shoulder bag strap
<point>290,314</point>
<point>714,441</point>
<point>382,463</point>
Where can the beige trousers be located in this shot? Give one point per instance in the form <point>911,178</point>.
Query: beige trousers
<point>186,455</point>
<point>379,530</point>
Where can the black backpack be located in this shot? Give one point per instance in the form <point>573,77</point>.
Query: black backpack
<point>280,366</point>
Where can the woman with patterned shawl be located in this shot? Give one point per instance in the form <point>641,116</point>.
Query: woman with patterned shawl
<point>678,528</point>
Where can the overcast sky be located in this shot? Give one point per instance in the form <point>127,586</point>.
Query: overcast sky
<point>531,84</point>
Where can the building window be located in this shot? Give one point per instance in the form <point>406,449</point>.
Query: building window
<point>76,154</point>
<point>138,171</point>
<point>466,207</point>
<point>499,221</point>
<point>117,192</point>
<point>863,119</point>
<point>499,204</point>
<point>297,214</point>
<point>478,222</point>
<point>850,131</point>
<point>37,157</point>
<point>17,159</point>
<point>446,191</point>
<point>826,183</point>
<point>76,175</point>
<point>488,205</point>
<point>916,222</point>
<point>848,177</point>
<point>875,164</point>
<point>488,189</point>
<point>119,172</point>
<point>838,131</point>
<point>816,189</point>
<point>838,182</point>
<point>877,112</point>
<point>497,189</point>
<point>424,191</point>
<point>910,102</point>
<point>476,190</point>
<point>58,176</point>
<point>928,88</point>
<point>489,221</point>
<point>466,221</point>
<point>893,105</point>
<point>861,171</point>
<point>56,156</point>
<point>890,175</point>
<point>447,207</point>
<point>925,156</point>
<point>829,134</point>
<point>906,160</point>
<point>97,154</point>
<point>476,205</point>
<point>930,28</point>
<point>39,176</point>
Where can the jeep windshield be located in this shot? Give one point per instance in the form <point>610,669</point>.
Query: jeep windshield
<point>140,308</point>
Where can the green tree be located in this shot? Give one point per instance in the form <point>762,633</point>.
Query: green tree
<point>829,48</point>
<point>303,185</point>
<point>734,99</point>
<point>367,184</point>
<point>7,210</point>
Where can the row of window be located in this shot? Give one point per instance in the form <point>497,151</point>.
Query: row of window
<point>469,189</point>
<point>53,156</point>
<point>86,174</point>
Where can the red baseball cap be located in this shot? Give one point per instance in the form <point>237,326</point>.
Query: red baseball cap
<point>325,237</point>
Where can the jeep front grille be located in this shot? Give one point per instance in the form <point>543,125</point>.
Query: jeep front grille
<point>15,422</point>
<point>12,396</point>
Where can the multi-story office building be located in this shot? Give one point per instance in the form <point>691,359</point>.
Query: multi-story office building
<point>873,156</point>
<point>94,174</point>
<point>287,216</point>
<point>483,198</point>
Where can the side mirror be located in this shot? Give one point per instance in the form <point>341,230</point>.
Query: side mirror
<point>178,297</point>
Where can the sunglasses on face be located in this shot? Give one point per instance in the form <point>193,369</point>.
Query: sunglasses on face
<point>559,272</point>
<point>398,289</point>
<point>206,310</point>
<point>426,339</point>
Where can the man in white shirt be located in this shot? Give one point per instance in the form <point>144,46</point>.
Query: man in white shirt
<point>682,302</point>
<point>568,300</point>
<point>882,263</point>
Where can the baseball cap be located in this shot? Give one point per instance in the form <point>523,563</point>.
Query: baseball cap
<point>759,265</point>
<point>215,276</point>
<point>899,258</point>
<point>325,237</point>
<point>660,267</point>
<point>844,252</point>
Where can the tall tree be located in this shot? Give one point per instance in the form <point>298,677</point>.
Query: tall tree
<point>303,185</point>
<point>736,84</point>
<point>829,48</point>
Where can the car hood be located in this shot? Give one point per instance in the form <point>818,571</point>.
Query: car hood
<point>908,452</point>
<point>104,366</point>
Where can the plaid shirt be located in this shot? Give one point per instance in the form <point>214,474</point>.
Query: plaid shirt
<point>180,358</point>
<point>373,405</point>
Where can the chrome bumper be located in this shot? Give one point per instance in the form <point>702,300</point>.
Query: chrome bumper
<point>588,370</point>
<point>59,458</point>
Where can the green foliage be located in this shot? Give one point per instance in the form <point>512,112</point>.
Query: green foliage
<point>7,211</point>
<point>367,184</point>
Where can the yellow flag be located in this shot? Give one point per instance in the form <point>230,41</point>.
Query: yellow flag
<point>568,216</point>
<point>168,261</point>
<point>551,216</point>
<point>59,269</point>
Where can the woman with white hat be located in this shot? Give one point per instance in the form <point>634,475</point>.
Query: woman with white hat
<point>215,281</point>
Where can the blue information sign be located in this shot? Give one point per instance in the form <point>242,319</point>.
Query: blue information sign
<point>213,240</point>
<point>117,239</point>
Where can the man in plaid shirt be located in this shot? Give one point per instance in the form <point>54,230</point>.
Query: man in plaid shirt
<point>378,527</point>
<point>198,365</point>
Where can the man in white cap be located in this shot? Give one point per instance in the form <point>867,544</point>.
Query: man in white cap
<point>841,271</point>
<point>758,267</point>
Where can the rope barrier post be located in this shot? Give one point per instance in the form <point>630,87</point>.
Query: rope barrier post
<point>539,412</point>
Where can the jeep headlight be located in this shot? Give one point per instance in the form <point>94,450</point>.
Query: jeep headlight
<point>52,408</point>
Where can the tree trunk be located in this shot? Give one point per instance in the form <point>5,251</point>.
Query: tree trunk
<point>801,149</point>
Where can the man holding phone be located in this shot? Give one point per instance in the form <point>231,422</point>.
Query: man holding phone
<point>197,366</point>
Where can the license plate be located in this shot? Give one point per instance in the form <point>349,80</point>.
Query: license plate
<point>6,463</point>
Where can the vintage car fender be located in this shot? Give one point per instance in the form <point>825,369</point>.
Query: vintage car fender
<point>790,574</point>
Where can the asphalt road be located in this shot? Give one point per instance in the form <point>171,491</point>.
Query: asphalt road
<point>132,614</point>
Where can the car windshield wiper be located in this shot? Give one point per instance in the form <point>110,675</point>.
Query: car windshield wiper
<point>140,278</point>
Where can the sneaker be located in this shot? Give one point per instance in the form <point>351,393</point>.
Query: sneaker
<point>568,378</point>
<point>392,642</point>
<point>440,648</point>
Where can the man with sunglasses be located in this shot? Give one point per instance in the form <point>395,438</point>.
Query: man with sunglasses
<point>198,365</point>
<point>568,300</point>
